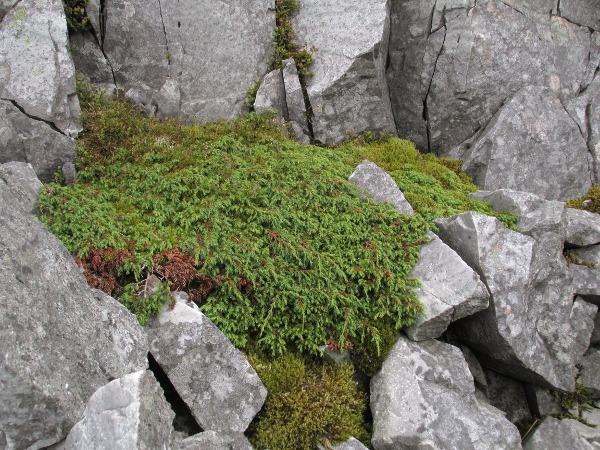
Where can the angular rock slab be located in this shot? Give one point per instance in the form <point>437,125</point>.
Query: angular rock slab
<point>379,186</point>
<point>450,290</point>
<point>555,434</point>
<point>271,95</point>
<point>212,377</point>
<point>424,397</point>
<point>34,142</point>
<point>294,98</point>
<point>591,368</point>
<point>508,395</point>
<point>586,282</point>
<point>211,440</point>
<point>59,340</point>
<point>36,69</point>
<point>532,145</point>
<point>21,178</point>
<point>533,331</point>
<point>129,412</point>
<point>583,228</point>
<point>585,13</point>
<point>348,91</point>
<point>350,444</point>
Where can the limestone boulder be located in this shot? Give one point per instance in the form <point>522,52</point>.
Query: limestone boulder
<point>541,401</point>
<point>350,444</point>
<point>31,141</point>
<point>211,440</point>
<point>294,98</point>
<point>533,331</point>
<point>533,145</point>
<point>22,180</point>
<point>36,69</point>
<point>129,412</point>
<point>508,395</point>
<point>583,228</point>
<point>589,373</point>
<point>589,433</point>
<point>586,283</point>
<point>347,91</point>
<point>556,434</point>
<point>585,13</point>
<point>89,59</point>
<point>271,95</point>
<point>214,379</point>
<point>424,397</point>
<point>59,340</point>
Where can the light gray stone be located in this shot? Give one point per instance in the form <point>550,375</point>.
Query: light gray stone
<point>21,178</point>
<point>474,367</point>
<point>591,416</point>
<point>424,397</point>
<point>89,59</point>
<point>348,91</point>
<point>211,440</point>
<point>169,99</point>
<point>59,340</point>
<point>34,142</point>
<point>508,395</point>
<point>69,173</point>
<point>335,356</point>
<point>449,291</point>
<point>128,413</point>
<point>590,434</point>
<point>377,184</point>
<point>557,435</point>
<point>586,282</point>
<point>36,69</point>
<point>533,331</point>
<point>294,99</point>
<point>184,298</point>
<point>5,7</point>
<point>213,378</point>
<point>591,368</point>
<point>583,228</point>
<point>533,145</point>
<point>350,444</point>
<point>271,95</point>
<point>543,220</point>
<point>581,12</point>
<point>541,401</point>
<point>589,254</point>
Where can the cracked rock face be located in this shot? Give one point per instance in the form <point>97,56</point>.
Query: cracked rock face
<point>348,91</point>
<point>59,339</point>
<point>213,378</point>
<point>533,330</point>
<point>424,397</point>
<point>36,69</point>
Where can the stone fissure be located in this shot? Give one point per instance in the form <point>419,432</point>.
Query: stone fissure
<point>425,106</point>
<point>558,8</point>
<point>162,21</point>
<point>588,122</point>
<point>100,39</point>
<point>308,107</point>
<point>38,119</point>
<point>430,24</point>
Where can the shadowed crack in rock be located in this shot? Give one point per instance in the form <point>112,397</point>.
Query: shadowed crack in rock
<point>38,119</point>
<point>425,106</point>
<point>162,21</point>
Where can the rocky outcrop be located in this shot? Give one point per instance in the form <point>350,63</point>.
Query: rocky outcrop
<point>556,434</point>
<point>213,378</point>
<point>160,48</point>
<point>211,440</point>
<point>271,95</point>
<point>129,412</point>
<point>533,330</point>
<point>21,179</point>
<point>507,395</point>
<point>347,92</point>
<point>295,104</point>
<point>59,340</point>
<point>590,364</point>
<point>583,228</point>
<point>424,396</point>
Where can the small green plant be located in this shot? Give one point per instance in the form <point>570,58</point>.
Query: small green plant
<point>368,355</point>
<point>77,18</point>
<point>138,299</point>
<point>589,202</point>
<point>581,399</point>
<point>573,258</point>
<point>251,95</point>
<point>307,404</point>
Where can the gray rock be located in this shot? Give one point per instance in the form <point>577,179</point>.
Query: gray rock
<point>589,254</point>
<point>213,378</point>
<point>169,99</point>
<point>5,7</point>
<point>475,368</point>
<point>89,59</point>
<point>350,444</point>
<point>34,142</point>
<point>583,228</point>
<point>590,434</point>
<point>533,145</point>
<point>555,434</point>
<point>533,331</point>
<point>129,412</point>
<point>586,283</point>
<point>541,402</point>
<point>211,440</point>
<point>21,178</point>
<point>543,220</point>
<point>335,356</point>
<point>36,69</point>
<point>348,91</point>
<point>294,98</point>
<point>450,290</point>
<point>591,368</point>
<point>595,340</point>
<point>508,395</point>
<point>184,298</point>
<point>59,340</point>
<point>143,96</point>
<point>69,173</point>
<point>377,184</point>
<point>581,12</point>
<point>423,397</point>
<point>271,95</point>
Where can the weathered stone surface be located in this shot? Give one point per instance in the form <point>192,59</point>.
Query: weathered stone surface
<point>350,444</point>
<point>590,434</point>
<point>335,356</point>
<point>34,142</point>
<point>271,95</point>
<point>555,434</point>
<point>129,412</point>
<point>508,395</point>
<point>474,367</point>
<point>348,91</point>
<point>581,12</point>
<point>424,397</point>
<point>36,69</point>
<point>69,173</point>
<point>541,401</point>
<point>377,184</point>
<point>21,178</point>
<point>211,440</point>
<point>89,59</point>
<point>583,228</point>
<point>586,282</point>
<point>533,330</point>
<point>59,340</point>
<point>5,7</point>
<point>450,290</point>
<point>173,42</point>
<point>294,99</point>
<point>595,340</point>
<point>532,145</point>
<point>462,69</point>
<point>591,368</point>
<point>213,378</point>
<point>543,220</point>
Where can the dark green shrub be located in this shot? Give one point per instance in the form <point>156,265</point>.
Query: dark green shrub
<point>77,18</point>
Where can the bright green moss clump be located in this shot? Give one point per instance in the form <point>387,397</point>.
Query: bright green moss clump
<point>589,202</point>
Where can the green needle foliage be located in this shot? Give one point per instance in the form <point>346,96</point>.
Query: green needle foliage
<point>589,202</point>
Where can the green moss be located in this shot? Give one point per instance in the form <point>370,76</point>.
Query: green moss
<point>142,303</point>
<point>373,347</point>
<point>251,95</point>
<point>307,404</point>
<point>77,18</point>
<point>589,202</point>
<point>581,399</point>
